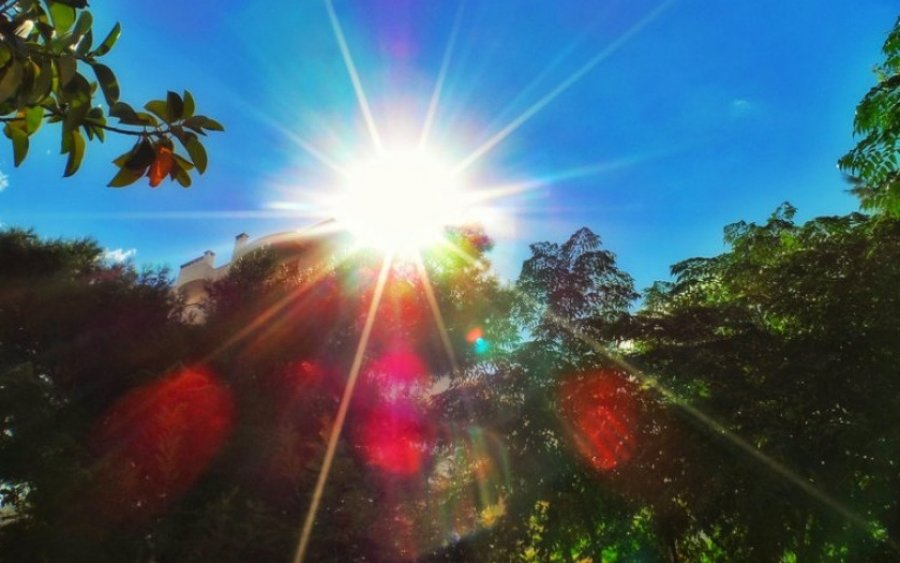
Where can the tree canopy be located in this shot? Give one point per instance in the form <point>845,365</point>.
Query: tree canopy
<point>45,47</point>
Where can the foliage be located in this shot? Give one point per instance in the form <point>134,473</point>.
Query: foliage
<point>789,341</point>
<point>45,46</point>
<point>539,447</point>
<point>875,161</point>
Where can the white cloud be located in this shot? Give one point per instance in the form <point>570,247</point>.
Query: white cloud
<point>4,181</point>
<point>119,255</point>
<point>741,107</point>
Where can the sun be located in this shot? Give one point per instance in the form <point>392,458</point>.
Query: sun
<point>400,201</point>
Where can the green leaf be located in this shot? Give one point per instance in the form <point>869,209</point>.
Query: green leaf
<point>212,124</point>
<point>20,143</point>
<point>125,177</point>
<point>197,153</point>
<point>109,42</point>
<point>76,154</point>
<point>183,162</point>
<point>122,110</point>
<point>5,54</point>
<point>159,108</point>
<point>11,80</point>
<point>40,89</point>
<point>84,45</point>
<point>181,176</point>
<point>142,155</point>
<point>126,114</point>
<point>83,25</point>
<point>108,83</point>
<point>63,16</point>
<point>195,123</point>
<point>34,116</point>
<point>67,66</point>
<point>174,106</point>
<point>189,105</point>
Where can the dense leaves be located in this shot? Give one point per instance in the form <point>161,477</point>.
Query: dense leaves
<point>788,341</point>
<point>528,441</point>
<point>45,48</point>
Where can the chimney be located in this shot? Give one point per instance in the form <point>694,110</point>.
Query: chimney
<point>240,242</point>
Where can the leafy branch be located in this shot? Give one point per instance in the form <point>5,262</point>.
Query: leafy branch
<point>44,44</point>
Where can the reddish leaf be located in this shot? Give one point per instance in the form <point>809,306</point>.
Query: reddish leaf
<point>161,166</point>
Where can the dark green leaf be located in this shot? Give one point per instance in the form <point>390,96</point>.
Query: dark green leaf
<point>66,65</point>
<point>74,3</point>
<point>195,124</point>
<point>11,80</point>
<point>125,177</point>
<point>141,156</point>
<point>174,106</point>
<point>40,89</point>
<point>109,42</point>
<point>85,44</point>
<point>181,176</point>
<point>212,124</point>
<point>83,25</point>
<point>126,114</point>
<point>108,83</point>
<point>189,105</point>
<point>76,154</point>
<point>182,162</point>
<point>5,54</point>
<point>197,153</point>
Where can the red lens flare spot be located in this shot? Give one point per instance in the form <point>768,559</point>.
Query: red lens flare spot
<point>474,335</point>
<point>395,439</point>
<point>399,366</point>
<point>156,441</point>
<point>600,410</point>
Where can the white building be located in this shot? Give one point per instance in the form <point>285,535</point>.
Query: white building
<point>307,246</point>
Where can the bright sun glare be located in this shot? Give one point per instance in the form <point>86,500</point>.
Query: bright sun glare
<point>400,201</point>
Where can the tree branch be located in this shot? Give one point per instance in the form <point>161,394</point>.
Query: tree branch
<point>91,121</point>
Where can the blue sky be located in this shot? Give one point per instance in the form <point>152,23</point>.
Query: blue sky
<point>704,114</point>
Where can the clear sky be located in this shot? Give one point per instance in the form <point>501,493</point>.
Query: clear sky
<point>671,119</point>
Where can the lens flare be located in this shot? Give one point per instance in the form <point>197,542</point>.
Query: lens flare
<point>155,443</point>
<point>395,438</point>
<point>600,411</point>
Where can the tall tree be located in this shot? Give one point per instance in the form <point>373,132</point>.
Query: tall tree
<point>788,341</point>
<point>874,164</point>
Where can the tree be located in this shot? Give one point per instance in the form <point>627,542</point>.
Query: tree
<point>75,334</point>
<point>787,340</point>
<point>565,421</point>
<point>874,164</point>
<point>44,47</point>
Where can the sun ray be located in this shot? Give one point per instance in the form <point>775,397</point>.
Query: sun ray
<point>307,146</point>
<point>526,91</point>
<point>336,429</point>
<point>778,468</point>
<point>442,75</point>
<point>263,318</point>
<point>449,245</point>
<point>500,191</point>
<point>436,313</point>
<point>354,75</point>
<point>526,115</point>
